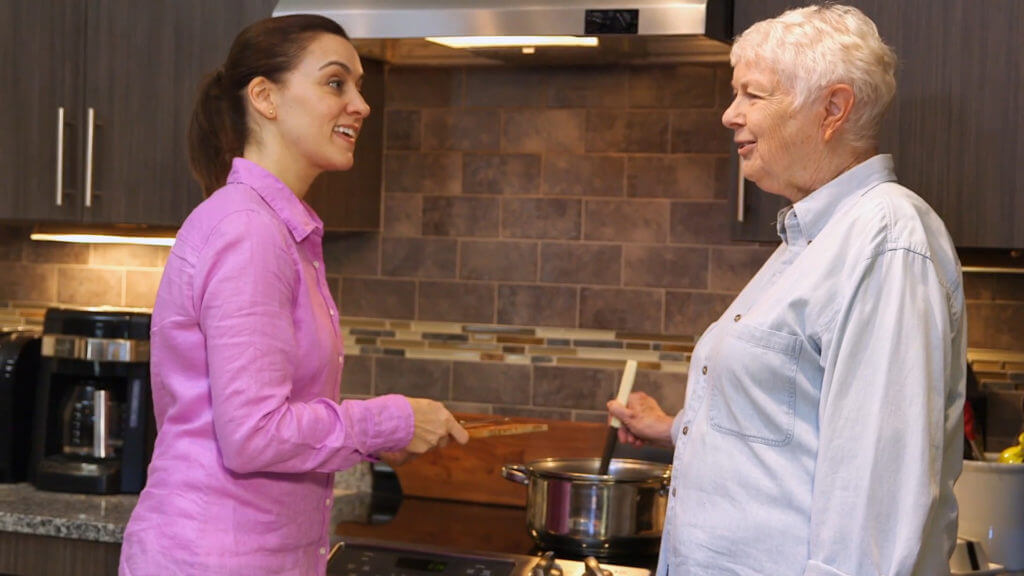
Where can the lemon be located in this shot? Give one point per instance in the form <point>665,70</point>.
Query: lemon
<point>1013,454</point>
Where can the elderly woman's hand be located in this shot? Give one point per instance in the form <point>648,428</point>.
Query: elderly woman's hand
<point>643,420</point>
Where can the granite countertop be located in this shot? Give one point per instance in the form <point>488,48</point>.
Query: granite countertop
<point>27,510</point>
<point>101,518</point>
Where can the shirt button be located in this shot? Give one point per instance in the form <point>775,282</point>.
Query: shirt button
<point>316,263</point>
<point>704,370</point>
<point>323,550</point>
<point>737,317</point>
<point>327,502</point>
<point>341,359</point>
<point>332,312</point>
<point>673,491</point>
<point>686,429</point>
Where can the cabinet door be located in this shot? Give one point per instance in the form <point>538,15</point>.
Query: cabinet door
<point>39,79</point>
<point>956,125</point>
<point>145,60</point>
<point>351,200</point>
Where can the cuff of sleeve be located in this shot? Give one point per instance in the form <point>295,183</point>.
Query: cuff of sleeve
<point>388,422</point>
<point>677,423</point>
<point>815,568</point>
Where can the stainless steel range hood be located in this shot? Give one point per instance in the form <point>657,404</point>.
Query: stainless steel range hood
<point>639,31</point>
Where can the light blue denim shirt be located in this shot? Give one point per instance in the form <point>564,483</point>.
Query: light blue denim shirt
<point>823,425</point>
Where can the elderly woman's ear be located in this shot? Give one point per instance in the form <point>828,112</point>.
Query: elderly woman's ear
<point>838,106</point>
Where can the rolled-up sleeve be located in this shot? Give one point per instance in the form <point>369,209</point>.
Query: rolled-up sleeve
<point>885,419</point>
<point>245,288</point>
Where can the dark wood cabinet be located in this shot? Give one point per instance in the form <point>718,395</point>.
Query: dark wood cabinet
<point>956,125</point>
<point>32,555</point>
<point>40,72</point>
<point>101,91</point>
<point>143,63</point>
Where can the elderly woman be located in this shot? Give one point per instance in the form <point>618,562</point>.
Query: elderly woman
<point>822,429</point>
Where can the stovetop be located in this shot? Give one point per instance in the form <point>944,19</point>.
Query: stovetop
<point>452,530</point>
<point>355,556</point>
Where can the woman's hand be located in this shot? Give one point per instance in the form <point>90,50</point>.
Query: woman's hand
<point>643,420</point>
<point>434,427</point>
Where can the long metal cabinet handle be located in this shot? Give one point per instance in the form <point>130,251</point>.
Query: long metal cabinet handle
<point>741,188</point>
<point>89,133</point>
<point>60,156</point>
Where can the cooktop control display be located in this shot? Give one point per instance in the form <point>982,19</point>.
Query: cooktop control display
<point>422,564</point>
<point>364,560</point>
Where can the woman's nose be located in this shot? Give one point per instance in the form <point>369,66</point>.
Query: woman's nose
<point>731,116</point>
<point>359,106</point>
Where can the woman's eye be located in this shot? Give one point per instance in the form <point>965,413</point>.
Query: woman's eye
<point>335,83</point>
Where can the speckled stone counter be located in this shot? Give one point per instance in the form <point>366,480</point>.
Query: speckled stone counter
<point>26,510</point>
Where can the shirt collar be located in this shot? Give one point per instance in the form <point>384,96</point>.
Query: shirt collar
<point>300,219</point>
<point>805,219</point>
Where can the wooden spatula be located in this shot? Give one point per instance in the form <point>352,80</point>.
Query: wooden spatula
<point>625,387</point>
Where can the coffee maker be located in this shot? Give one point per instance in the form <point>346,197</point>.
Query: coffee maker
<point>94,429</point>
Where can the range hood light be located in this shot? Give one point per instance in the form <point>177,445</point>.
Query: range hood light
<point>513,41</point>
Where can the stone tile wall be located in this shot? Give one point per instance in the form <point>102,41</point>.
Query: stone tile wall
<point>587,198</point>
<point>53,273</point>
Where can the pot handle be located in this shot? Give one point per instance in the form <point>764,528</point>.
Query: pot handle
<point>516,473</point>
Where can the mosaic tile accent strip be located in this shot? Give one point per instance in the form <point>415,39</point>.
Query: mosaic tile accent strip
<point>609,349</point>
<point>516,345</point>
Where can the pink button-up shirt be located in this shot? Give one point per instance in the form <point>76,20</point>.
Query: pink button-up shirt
<point>246,365</point>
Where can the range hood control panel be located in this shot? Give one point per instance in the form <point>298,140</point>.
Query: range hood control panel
<point>612,22</point>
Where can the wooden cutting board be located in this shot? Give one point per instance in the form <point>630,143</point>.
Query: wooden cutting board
<point>498,426</point>
<point>472,473</point>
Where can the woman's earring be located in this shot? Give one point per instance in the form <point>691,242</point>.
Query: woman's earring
<point>272,113</point>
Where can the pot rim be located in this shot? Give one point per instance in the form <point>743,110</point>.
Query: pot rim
<point>660,478</point>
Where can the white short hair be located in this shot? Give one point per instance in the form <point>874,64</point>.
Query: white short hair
<point>818,46</point>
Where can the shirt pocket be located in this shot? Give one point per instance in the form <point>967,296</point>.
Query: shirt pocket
<point>753,395</point>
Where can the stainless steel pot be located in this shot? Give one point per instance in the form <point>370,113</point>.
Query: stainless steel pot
<point>572,508</point>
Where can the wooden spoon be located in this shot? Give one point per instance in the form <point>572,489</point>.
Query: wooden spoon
<point>625,387</point>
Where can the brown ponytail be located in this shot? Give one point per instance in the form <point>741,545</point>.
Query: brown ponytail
<point>220,129</point>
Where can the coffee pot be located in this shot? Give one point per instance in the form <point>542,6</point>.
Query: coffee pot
<point>91,422</point>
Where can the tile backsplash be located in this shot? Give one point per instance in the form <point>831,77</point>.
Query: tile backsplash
<point>584,199</point>
<point>589,198</point>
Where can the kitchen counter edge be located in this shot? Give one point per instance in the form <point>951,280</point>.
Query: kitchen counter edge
<point>24,509</point>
